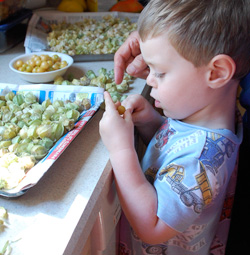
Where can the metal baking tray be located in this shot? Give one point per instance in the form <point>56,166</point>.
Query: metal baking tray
<point>39,27</point>
<point>91,57</point>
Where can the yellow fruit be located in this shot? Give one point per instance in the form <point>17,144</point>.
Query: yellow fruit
<point>70,6</point>
<point>82,3</point>
<point>92,5</point>
<point>121,109</point>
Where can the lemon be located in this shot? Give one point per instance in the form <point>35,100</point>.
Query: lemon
<point>92,5</point>
<point>70,6</point>
<point>82,3</point>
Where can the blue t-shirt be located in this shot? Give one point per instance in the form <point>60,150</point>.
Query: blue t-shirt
<point>190,168</point>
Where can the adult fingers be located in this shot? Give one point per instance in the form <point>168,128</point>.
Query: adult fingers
<point>138,67</point>
<point>125,54</point>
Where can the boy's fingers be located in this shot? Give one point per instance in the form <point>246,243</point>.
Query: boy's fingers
<point>109,104</point>
<point>127,115</point>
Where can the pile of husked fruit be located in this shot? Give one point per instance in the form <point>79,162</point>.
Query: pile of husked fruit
<point>40,64</point>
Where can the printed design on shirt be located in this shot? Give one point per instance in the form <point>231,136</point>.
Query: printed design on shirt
<point>215,150</point>
<point>217,247</point>
<point>160,249</point>
<point>123,249</point>
<point>150,174</point>
<point>185,142</point>
<point>191,248</point>
<point>174,174</point>
<point>227,207</point>
<point>180,240</point>
<point>191,233</point>
<point>212,157</point>
<point>163,134</point>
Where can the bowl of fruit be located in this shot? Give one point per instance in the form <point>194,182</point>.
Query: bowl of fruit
<point>41,67</point>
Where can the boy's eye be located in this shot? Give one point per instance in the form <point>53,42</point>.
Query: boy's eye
<point>159,75</point>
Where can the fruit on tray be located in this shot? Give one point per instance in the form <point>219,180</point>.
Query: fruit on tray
<point>127,6</point>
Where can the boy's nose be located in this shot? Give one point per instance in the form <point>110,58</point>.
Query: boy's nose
<point>151,80</point>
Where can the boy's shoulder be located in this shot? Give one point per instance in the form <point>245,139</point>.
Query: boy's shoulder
<point>179,137</point>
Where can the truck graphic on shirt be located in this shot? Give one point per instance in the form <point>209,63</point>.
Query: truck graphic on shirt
<point>174,175</point>
<point>163,135</point>
<point>215,150</point>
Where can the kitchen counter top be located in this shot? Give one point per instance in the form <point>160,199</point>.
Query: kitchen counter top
<point>57,214</point>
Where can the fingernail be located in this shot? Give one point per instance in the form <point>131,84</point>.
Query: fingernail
<point>131,69</point>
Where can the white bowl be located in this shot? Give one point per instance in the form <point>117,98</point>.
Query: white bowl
<point>45,76</point>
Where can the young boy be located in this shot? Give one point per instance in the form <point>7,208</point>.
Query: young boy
<point>196,51</point>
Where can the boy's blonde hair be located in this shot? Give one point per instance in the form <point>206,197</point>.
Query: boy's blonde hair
<point>201,29</point>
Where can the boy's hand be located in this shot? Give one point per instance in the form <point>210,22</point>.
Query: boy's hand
<point>141,110</point>
<point>144,116</point>
<point>117,132</point>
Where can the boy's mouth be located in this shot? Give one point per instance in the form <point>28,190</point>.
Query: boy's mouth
<point>157,104</point>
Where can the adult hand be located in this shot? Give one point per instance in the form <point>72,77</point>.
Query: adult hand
<point>128,58</point>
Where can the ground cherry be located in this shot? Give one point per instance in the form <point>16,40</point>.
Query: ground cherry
<point>121,109</point>
<point>44,57</point>
<point>28,69</point>
<point>19,63</point>
<point>32,63</point>
<point>40,64</point>
<point>44,65</point>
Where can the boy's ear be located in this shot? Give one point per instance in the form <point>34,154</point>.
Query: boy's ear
<point>221,70</point>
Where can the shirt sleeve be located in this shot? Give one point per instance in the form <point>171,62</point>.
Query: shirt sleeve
<point>189,169</point>
<point>180,199</point>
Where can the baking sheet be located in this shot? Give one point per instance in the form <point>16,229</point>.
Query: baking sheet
<point>91,57</point>
<point>53,92</point>
<point>39,27</point>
